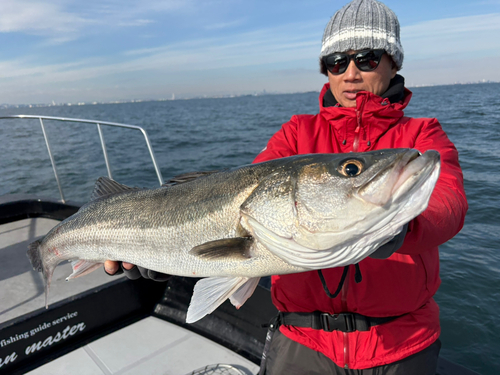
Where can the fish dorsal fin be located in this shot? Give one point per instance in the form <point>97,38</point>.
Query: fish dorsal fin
<point>105,186</point>
<point>190,176</point>
<point>236,248</point>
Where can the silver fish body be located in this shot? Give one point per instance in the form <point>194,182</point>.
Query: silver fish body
<point>283,216</point>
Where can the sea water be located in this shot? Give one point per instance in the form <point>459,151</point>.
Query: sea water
<point>208,134</point>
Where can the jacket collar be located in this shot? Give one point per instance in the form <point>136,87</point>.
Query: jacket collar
<point>395,93</point>
<point>373,114</point>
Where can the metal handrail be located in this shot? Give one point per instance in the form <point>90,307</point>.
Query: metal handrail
<point>101,137</point>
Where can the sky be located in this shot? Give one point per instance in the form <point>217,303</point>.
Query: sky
<point>68,51</point>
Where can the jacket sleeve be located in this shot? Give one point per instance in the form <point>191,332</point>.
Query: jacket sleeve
<point>445,214</point>
<point>282,144</point>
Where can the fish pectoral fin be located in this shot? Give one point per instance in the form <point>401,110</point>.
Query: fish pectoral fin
<point>82,267</point>
<point>235,248</point>
<point>211,292</point>
<point>244,292</point>
<point>105,186</point>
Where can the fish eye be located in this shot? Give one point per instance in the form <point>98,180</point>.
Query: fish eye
<point>351,168</point>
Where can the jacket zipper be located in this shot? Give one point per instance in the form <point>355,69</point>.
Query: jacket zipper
<point>355,143</point>
<point>344,308</point>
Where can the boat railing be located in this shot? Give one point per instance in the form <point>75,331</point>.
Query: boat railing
<point>101,137</point>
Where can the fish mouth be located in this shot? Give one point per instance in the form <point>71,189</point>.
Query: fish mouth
<point>403,176</point>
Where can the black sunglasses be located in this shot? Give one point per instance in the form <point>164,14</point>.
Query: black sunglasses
<point>366,61</point>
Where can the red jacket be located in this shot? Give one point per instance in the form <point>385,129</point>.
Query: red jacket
<point>402,284</point>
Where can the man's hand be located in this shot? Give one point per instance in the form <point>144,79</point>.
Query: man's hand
<point>132,271</point>
<point>386,250</point>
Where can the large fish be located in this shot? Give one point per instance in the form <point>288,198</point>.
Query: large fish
<point>283,216</point>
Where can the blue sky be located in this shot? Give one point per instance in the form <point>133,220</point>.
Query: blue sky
<point>106,50</point>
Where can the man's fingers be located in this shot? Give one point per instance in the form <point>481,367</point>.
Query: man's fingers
<point>132,271</point>
<point>111,267</point>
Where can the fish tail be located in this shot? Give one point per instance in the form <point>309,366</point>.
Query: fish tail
<point>35,255</point>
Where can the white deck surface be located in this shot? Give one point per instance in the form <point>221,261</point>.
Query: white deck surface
<point>21,288</point>
<point>150,346</point>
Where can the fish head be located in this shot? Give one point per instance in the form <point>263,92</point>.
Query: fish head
<point>345,201</point>
<point>339,191</point>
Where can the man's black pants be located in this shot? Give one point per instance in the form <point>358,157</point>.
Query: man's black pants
<point>288,357</point>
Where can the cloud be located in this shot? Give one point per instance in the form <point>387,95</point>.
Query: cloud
<point>65,20</point>
<point>206,58</point>
<point>224,25</point>
<point>452,50</point>
<point>487,2</point>
<point>268,46</point>
<point>458,36</point>
<point>135,23</point>
<point>39,18</point>
<point>106,11</point>
<point>433,72</point>
<point>215,60</point>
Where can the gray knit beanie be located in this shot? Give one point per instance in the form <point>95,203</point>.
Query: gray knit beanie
<point>363,24</point>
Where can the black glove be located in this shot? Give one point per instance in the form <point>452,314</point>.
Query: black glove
<point>136,272</point>
<point>386,250</point>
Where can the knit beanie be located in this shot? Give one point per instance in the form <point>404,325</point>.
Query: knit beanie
<point>363,24</point>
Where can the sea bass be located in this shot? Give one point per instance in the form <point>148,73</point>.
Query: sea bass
<point>288,215</point>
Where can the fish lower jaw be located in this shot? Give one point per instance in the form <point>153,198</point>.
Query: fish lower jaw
<point>415,190</point>
<point>422,169</point>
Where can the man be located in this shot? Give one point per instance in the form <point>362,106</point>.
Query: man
<point>387,322</point>
<point>380,314</point>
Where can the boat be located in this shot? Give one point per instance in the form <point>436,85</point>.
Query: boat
<point>108,325</point>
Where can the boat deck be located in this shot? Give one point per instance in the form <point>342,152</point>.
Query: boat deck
<point>150,346</point>
<point>22,288</point>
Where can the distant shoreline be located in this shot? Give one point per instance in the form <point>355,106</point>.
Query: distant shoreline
<point>227,96</point>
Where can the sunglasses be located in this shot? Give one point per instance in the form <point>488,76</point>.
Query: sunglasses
<point>366,61</point>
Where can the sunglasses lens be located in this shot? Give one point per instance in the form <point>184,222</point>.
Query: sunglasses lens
<point>367,61</point>
<point>337,64</point>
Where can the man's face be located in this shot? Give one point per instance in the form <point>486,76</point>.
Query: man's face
<point>345,86</point>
